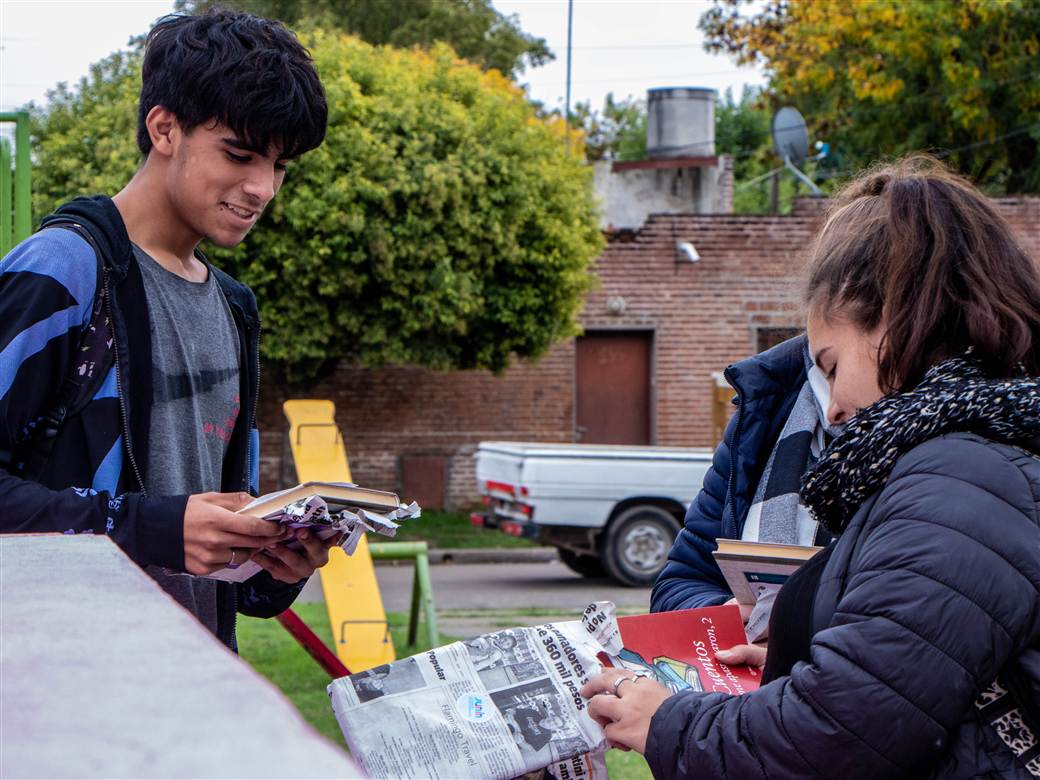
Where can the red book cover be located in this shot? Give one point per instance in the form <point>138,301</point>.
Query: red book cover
<point>678,649</point>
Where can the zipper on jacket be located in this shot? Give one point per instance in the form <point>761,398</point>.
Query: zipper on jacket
<point>732,450</point>
<point>124,412</point>
<point>252,415</point>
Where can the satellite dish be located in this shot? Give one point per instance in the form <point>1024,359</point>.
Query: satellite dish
<point>791,143</point>
<point>790,138</point>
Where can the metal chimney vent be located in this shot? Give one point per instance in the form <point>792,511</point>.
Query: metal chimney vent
<point>680,122</point>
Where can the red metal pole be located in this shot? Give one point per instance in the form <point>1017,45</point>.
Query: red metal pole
<point>310,642</point>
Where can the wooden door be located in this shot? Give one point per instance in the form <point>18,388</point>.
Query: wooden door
<point>613,387</point>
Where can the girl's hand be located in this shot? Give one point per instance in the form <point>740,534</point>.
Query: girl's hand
<point>624,708</point>
<point>752,655</point>
<point>745,609</point>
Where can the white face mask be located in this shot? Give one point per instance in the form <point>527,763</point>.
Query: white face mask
<point>822,393</point>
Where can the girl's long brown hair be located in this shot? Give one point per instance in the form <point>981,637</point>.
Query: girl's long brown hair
<point>919,250</point>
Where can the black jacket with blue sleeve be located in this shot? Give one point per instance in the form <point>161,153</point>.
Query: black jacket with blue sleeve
<point>92,481</point>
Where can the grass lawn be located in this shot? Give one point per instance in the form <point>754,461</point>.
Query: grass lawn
<point>275,654</point>
<point>451,530</point>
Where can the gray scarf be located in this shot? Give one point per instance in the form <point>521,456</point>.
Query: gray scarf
<point>777,514</point>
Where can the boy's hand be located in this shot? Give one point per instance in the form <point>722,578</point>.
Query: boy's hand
<point>212,532</point>
<point>292,566</point>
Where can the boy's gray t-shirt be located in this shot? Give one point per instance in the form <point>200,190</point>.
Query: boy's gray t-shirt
<point>195,402</point>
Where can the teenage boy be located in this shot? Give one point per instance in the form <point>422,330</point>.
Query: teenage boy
<point>113,294</point>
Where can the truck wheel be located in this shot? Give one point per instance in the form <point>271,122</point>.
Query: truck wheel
<point>635,547</point>
<point>585,565</point>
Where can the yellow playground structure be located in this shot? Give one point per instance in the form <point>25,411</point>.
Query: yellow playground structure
<point>355,606</point>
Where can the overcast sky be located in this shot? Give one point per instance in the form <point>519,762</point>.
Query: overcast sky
<point>624,47</point>
<point>620,46</point>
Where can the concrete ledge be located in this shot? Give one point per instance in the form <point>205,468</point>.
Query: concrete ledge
<point>104,675</point>
<point>483,555</point>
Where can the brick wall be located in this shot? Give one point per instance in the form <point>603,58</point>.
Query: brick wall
<point>704,316</point>
<point>408,411</point>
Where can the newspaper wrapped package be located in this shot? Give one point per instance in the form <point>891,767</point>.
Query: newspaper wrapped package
<point>497,706</point>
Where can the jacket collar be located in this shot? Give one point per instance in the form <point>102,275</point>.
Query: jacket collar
<point>100,217</point>
<point>773,372</point>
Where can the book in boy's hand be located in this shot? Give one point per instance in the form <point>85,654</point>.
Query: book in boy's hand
<point>678,649</point>
<point>336,495</point>
<point>324,509</point>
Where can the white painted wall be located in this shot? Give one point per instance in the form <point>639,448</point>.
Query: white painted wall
<point>627,198</point>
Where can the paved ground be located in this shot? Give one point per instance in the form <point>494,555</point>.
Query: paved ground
<point>475,598</point>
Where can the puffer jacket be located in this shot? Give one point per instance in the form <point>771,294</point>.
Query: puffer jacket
<point>931,592</point>
<point>767,386</point>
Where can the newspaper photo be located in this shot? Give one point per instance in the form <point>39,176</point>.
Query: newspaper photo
<point>497,706</point>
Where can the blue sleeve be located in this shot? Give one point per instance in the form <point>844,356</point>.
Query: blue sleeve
<point>692,578</point>
<point>47,289</point>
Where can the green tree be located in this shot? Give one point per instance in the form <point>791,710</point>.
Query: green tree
<point>617,132</point>
<point>743,130</point>
<point>442,223</point>
<point>473,28</point>
<point>960,78</point>
<point>84,137</point>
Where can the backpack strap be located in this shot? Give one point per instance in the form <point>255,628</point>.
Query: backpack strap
<point>86,373</point>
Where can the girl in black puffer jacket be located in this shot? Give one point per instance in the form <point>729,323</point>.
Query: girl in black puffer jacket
<point>911,646</point>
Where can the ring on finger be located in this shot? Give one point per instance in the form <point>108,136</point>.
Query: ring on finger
<point>618,681</point>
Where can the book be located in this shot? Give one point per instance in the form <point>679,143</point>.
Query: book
<point>297,507</point>
<point>678,649</point>
<point>755,570</point>
<point>337,495</point>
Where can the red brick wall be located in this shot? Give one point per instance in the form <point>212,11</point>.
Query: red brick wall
<point>704,316</point>
<point>414,411</point>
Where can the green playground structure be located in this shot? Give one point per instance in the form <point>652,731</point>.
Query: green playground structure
<point>15,183</point>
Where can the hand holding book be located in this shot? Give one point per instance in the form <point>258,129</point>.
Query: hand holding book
<point>297,560</point>
<point>693,649</point>
<point>743,655</point>
<point>314,517</point>
<point>215,533</point>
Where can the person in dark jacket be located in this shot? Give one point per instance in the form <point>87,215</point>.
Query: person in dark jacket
<point>768,388</point>
<point>112,295</point>
<point>910,647</point>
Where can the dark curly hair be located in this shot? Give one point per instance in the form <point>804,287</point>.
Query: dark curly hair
<point>245,72</point>
<point>916,248</point>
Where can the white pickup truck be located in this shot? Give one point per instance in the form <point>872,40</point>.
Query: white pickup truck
<point>607,509</point>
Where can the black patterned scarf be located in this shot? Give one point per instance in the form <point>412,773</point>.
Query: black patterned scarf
<point>955,395</point>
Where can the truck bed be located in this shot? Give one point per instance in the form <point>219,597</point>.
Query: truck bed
<point>579,484</point>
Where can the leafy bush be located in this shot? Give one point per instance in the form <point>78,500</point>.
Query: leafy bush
<point>442,223</point>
